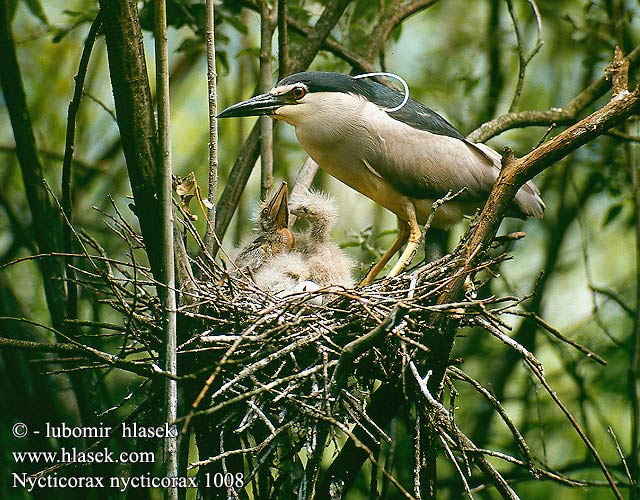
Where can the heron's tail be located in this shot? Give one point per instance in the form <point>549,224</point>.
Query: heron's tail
<point>529,201</point>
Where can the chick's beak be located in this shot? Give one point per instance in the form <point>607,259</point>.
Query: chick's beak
<point>263,104</point>
<point>278,207</point>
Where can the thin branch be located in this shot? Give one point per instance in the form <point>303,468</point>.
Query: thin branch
<point>139,368</point>
<point>632,481</point>
<point>633,153</point>
<point>557,116</point>
<point>494,56</point>
<point>358,346</point>
<point>391,18</point>
<point>554,332</point>
<point>444,418</point>
<point>523,60</point>
<point>266,123</point>
<point>358,62</point>
<point>212,196</point>
<point>524,449</point>
<point>168,294</point>
<point>67,189</point>
<point>304,54</point>
<point>57,156</point>
<point>283,40</point>
<point>585,439</point>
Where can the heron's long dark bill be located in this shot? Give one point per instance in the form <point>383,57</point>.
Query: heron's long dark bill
<point>278,207</point>
<point>263,104</point>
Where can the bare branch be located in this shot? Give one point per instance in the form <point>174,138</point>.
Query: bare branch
<point>212,195</point>
<point>167,292</point>
<point>392,17</point>
<point>523,59</point>
<point>557,116</point>
<point>633,155</point>
<point>67,188</point>
<point>266,124</point>
<point>283,40</point>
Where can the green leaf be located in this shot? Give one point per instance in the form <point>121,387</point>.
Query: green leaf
<point>612,213</point>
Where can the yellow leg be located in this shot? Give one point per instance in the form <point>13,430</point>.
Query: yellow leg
<point>403,232</point>
<point>412,245</point>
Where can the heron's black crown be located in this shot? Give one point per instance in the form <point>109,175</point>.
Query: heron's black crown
<point>413,113</point>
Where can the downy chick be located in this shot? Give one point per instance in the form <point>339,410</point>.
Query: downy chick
<point>273,235</point>
<point>282,273</point>
<point>327,263</point>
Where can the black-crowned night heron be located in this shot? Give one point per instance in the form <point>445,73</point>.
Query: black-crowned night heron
<point>403,159</point>
<point>273,234</point>
<point>328,265</point>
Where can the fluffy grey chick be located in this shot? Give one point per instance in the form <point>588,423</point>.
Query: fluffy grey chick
<point>282,273</point>
<point>273,234</point>
<point>328,264</point>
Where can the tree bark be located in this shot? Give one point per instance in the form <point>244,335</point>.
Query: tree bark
<point>134,110</point>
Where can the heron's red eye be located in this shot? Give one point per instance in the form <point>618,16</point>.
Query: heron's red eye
<point>298,92</point>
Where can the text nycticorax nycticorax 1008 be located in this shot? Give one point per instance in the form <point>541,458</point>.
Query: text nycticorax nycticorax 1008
<point>402,159</point>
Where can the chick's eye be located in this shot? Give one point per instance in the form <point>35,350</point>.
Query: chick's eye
<point>298,92</point>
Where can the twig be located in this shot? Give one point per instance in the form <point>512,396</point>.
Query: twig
<point>358,62</point>
<point>634,368</point>
<point>167,295</point>
<point>57,156</point>
<point>99,102</point>
<point>212,184</point>
<point>555,333</point>
<point>283,40</point>
<point>67,189</point>
<point>139,368</point>
<point>558,116</point>
<point>524,449</point>
<point>576,426</point>
<point>266,124</point>
<point>444,418</point>
<point>453,460</point>
<point>632,481</point>
<point>523,60</point>
<point>392,17</point>
<point>356,347</point>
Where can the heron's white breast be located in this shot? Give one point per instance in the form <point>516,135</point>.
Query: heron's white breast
<point>361,145</point>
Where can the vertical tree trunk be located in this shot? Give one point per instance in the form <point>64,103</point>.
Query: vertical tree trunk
<point>134,110</point>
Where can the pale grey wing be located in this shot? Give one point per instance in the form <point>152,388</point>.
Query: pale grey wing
<point>423,165</point>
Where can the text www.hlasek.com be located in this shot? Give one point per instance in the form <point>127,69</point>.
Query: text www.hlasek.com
<point>82,457</point>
